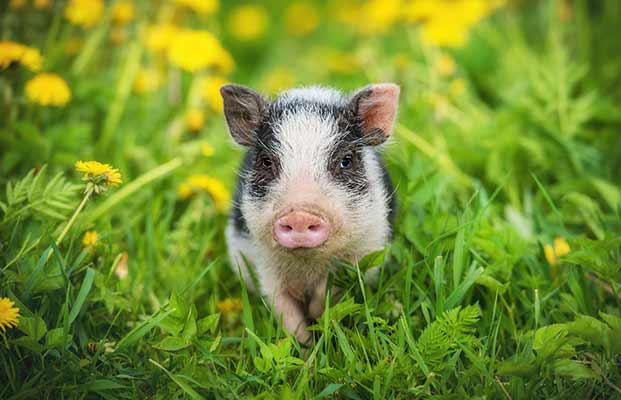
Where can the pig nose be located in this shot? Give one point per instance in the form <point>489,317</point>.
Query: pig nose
<point>301,229</point>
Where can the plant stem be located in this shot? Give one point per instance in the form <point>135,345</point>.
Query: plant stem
<point>71,220</point>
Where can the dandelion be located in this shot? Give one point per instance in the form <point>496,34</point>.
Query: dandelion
<point>9,315</point>
<point>207,149</point>
<point>48,90</point>
<point>16,53</point>
<point>195,119</point>
<point>42,4</point>
<point>301,18</point>
<point>214,187</point>
<point>210,91</point>
<point>230,306</point>
<point>158,38</point>
<point>123,12</point>
<point>17,4</point>
<point>248,22</point>
<point>98,176</point>
<point>204,7</point>
<point>90,239</point>
<point>84,13</point>
<point>147,80</point>
<point>560,248</point>
<point>193,50</point>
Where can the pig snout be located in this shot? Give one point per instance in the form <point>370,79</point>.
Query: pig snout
<point>300,229</point>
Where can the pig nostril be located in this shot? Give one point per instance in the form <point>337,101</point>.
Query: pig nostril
<point>286,228</point>
<point>314,228</point>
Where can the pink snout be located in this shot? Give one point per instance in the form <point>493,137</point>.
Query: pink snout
<point>301,229</point>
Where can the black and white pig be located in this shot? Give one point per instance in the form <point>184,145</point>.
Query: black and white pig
<point>312,190</point>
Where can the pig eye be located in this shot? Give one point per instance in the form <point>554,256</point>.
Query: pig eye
<point>346,162</point>
<point>266,163</point>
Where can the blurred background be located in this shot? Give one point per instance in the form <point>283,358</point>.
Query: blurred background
<point>506,156</point>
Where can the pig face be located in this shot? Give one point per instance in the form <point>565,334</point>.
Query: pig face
<point>312,183</point>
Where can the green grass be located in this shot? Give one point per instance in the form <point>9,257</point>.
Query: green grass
<point>467,305</point>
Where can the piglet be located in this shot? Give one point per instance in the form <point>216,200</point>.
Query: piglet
<point>312,190</point>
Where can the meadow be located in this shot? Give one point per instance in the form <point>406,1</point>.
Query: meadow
<point>503,280</point>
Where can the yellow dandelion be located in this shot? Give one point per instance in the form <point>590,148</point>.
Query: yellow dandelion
<point>147,80</point>
<point>48,90</point>
<point>210,91</point>
<point>158,38</point>
<point>9,315</point>
<point>193,50</point>
<point>207,149</point>
<point>445,65</point>
<point>12,52</point>
<point>84,13</point>
<point>204,7</point>
<point>278,79</point>
<point>123,12</point>
<point>548,251</point>
<point>42,4</point>
<point>195,119</point>
<point>213,186</point>
<point>17,4</point>
<point>379,15</point>
<point>230,306</point>
<point>98,176</point>
<point>90,239</point>
<point>561,247</point>
<point>301,18</point>
<point>248,22</point>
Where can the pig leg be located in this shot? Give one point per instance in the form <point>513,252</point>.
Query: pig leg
<point>317,302</point>
<point>292,314</point>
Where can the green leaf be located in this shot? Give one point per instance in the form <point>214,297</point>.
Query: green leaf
<point>33,327</point>
<point>171,343</point>
<point>208,324</point>
<point>138,332</point>
<point>573,369</point>
<point>85,289</point>
<point>179,381</point>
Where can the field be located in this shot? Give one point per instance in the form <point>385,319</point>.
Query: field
<point>503,280</point>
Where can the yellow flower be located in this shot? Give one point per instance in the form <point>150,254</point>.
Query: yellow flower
<point>12,52</point>
<point>90,239</point>
<point>248,22</point>
<point>48,90</point>
<point>561,248</point>
<point>99,176</point>
<point>159,37</point>
<point>211,91</point>
<point>230,306</point>
<point>195,119</point>
<point>17,4</point>
<point>548,251</point>
<point>204,7</point>
<point>42,4</point>
<point>147,80</point>
<point>445,65</point>
<point>216,189</point>
<point>193,50</point>
<point>84,13</point>
<point>9,315</point>
<point>207,149</point>
<point>301,18</point>
<point>123,12</point>
<point>278,79</point>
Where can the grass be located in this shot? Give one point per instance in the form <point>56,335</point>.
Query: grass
<point>515,146</point>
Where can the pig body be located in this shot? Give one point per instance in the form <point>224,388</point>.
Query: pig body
<point>312,190</point>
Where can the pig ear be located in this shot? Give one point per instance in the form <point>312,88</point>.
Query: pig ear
<point>243,109</point>
<point>375,107</point>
